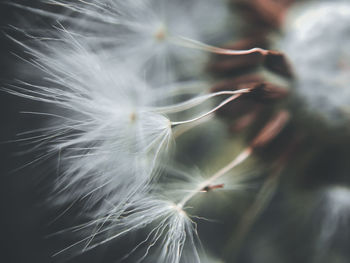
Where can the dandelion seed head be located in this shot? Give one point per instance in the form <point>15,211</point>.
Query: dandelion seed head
<point>109,138</point>
<point>317,44</point>
<point>100,73</point>
<point>144,35</point>
<point>170,230</point>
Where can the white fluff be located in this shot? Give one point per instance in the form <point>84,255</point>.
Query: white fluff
<point>145,35</point>
<point>170,230</point>
<point>112,128</point>
<point>107,134</point>
<point>333,215</point>
<point>317,43</point>
<point>336,209</point>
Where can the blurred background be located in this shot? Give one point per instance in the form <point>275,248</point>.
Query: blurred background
<point>22,233</point>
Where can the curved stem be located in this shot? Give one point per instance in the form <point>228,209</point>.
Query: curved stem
<point>190,43</point>
<point>207,113</point>
<point>179,130</point>
<point>267,133</point>
<point>238,160</point>
<point>182,106</point>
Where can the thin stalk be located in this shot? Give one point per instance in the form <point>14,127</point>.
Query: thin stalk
<point>249,218</point>
<point>235,162</point>
<point>179,130</point>
<point>228,100</point>
<point>190,43</point>
<point>266,134</point>
<point>182,106</point>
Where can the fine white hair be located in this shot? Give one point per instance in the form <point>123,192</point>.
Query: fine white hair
<point>147,35</point>
<point>110,71</point>
<point>171,231</point>
<point>317,45</point>
<point>107,136</point>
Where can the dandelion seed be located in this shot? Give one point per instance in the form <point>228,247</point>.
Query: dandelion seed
<point>113,128</point>
<point>107,138</point>
<point>109,132</point>
<point>139,34</point>
<point>170,229</point>
<point>160,39</point>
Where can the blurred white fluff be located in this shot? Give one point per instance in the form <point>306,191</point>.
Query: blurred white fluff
<point>336,204</point>
<point>331,221</point>
<point>145,35</point>
<point>320,30</point>
<point>333,214</point>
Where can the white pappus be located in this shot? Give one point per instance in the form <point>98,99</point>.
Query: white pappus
<point>323,75</point>
<point>103,74</point>
<point>148,36</point>
<point>170,231</point>
<point>109,132</point>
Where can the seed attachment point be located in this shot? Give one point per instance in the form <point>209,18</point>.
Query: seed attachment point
<point>161,33</point>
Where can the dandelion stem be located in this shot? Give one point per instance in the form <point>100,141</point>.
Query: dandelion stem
<point>190,43</point>
<point>238,160</point>
<point>207,113</point>
<point>185,128</point>
<point>182,106</point>
<point>266,134</point>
